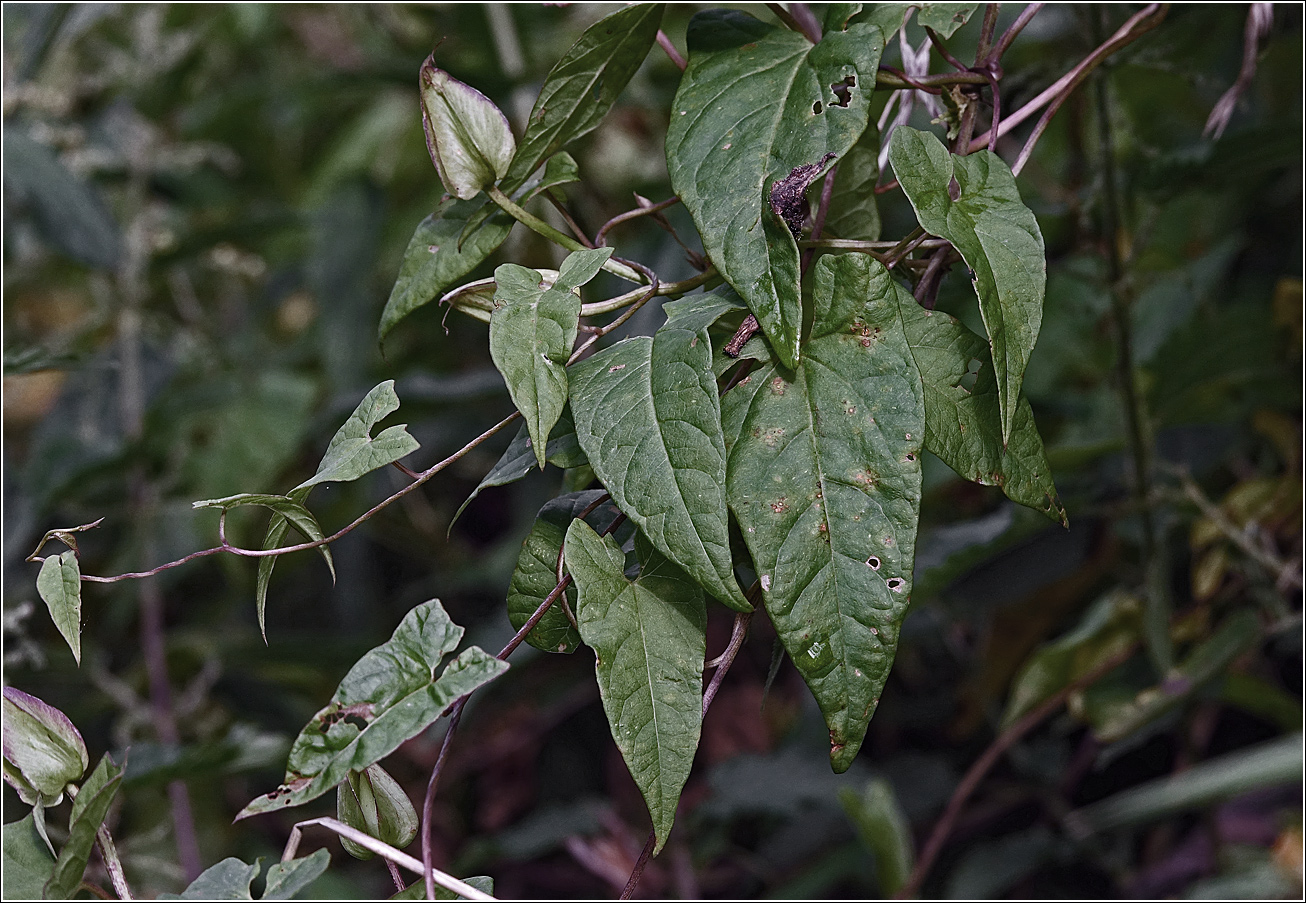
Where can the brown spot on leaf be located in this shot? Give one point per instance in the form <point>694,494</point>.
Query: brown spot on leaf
<point>777,386</point>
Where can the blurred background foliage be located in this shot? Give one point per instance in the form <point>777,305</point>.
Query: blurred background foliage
<point>204,209</point>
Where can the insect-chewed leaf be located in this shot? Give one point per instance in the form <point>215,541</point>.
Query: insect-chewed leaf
<point>390,695</point>
<point>647,416</point>
<point>532,331</point>
<point>725,149</point>
<point>649,643</point>
<point>974,203</point>
<point>824,477</point>
<point>963,425</point>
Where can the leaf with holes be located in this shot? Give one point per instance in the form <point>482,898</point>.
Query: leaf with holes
<point>536,573</point>
<point>436,258</point>
<point>962,423</point>
<point>532,331</point>
<point>390,695</point>
<point>725,149</point>
<point>824,477</point>
<point>232,879</point>
<point>649,644</point>
<point>59,584</point>
<point>648,417</point>
<point>581,88</point>
<point>974,203</point>
<point>89,809</point>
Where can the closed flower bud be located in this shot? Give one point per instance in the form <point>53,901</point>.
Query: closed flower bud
<point>43,751</point>
<point>470,141</point>
<point>373,802</point>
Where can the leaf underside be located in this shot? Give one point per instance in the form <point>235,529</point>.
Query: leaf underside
<point>649,644</point>
<point>997,236</point>
<point>824,478</point>
<point>725,148</point>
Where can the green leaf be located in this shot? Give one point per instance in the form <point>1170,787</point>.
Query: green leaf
<point>963,425</point>
<point>231,879</point>
<point>581,88</point>
<point>996,235</point>
<point>27,863</point>
<point>837,15</point>
<point>60,586</point>
<point>1270,764</point>
<point>536,573</point>
<point>561,169</point>
<point>725,148</point>
<point>417,890</point>
<point>945,18</point>
<point>532,332</point>
<point>853,213</point>
<point>89,810</point>
<point>824,477</point>
<point>649,644</point>
<point>885,831</point>
<point>648,417</point>
<point>469,139</point>
<point>393,692</point>
<point>285,507</point>
<point>1235,635</point>
<point>43,750</point>
<point>373,802</point>
<point>1107,629</point>
<point>353,451</point>
<point>435,259</point>
<point>518,459</point>
<point>70,213</point>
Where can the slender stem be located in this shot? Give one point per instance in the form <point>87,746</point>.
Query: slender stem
<point>818,218</point>
<point>567,218</point>
<point>670,49</point>
<point>112,864</point>
<point>397,878</point>
<point>663,288</point>
<point>996,120</point>
<point>807,21</point>
<point>1016,28</point>
<point>977,772</point>
<point>868,247</point>
<point>986,33</point>
<point>896,79</point>
<point>638,871</point>
<point>791,22</point>
<point>540,227</point>
<point>943,51</point>
<point>1111,210</point>
<point>600,240</point>
<point>1137,25</point>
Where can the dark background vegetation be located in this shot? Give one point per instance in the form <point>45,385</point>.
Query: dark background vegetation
<point>204,210</point>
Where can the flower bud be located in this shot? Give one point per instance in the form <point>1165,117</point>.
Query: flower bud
<point>374,803</point>
<point>470,141</point>
<point>43,751</point>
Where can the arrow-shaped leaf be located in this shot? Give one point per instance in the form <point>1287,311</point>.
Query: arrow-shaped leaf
<point>285,507</point>
<point>389,696</point>
<point>648,417</point>
<point>973,202</point>
<point>649,644</point>
<point>824,477</point>
<point>726,148</point>
<point>89,809</point>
